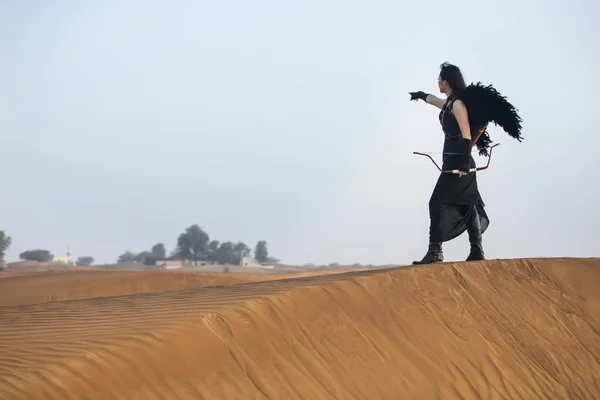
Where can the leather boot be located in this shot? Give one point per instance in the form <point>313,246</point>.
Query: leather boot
<point>434,254</point>
<point>476,252</point>
<point>475,238</point>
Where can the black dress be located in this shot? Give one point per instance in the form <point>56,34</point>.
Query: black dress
<point>455,202</point>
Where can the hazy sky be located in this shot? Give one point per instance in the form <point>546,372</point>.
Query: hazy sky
<point>125,122</point>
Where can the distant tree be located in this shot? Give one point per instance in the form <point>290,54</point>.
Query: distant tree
<point>5,242</point>
<point>37,255</point>
<point>240,250</point>
<point>212,250</point>
<point>261,253</point>
<point>128,256</point>
<point>226,254</point>
<point>159,251</point>
<point>146,258</point>
<point>84,261</point>
<point>193,243</point>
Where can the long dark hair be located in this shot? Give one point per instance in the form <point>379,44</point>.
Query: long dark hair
<point>451,74</point>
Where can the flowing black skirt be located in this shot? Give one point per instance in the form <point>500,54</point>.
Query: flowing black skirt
<point>455,200</point>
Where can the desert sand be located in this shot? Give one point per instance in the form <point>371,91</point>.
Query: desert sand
<point>497,329</point>
<point>20,288</point>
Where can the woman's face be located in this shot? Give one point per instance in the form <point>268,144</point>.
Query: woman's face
<point>442,84</point>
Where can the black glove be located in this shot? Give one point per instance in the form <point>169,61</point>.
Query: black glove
<point>418,95</point>
<point>465,160</point>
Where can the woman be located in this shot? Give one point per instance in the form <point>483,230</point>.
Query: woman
<point>455,204</point>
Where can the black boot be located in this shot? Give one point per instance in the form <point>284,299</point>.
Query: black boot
<point>476,253</point>
<point>434,254</point>
<point>475,238</point>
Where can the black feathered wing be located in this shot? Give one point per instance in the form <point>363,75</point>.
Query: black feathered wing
<point>484,105</point>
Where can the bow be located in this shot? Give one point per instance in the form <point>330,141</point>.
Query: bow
<point>455,171</point>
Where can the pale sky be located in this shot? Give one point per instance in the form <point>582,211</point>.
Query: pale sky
<point>124,122</point>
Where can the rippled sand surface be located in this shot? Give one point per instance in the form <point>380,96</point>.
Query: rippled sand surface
<point>498,329</point>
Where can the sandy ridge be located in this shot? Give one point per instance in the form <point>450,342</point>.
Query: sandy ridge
<point>498,329</point>
<point>18,288</point>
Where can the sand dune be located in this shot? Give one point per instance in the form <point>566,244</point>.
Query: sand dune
<point>523,329</point>
<point>20,288</point>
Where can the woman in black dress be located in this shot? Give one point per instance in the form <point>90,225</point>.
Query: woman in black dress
<point>455,204</point>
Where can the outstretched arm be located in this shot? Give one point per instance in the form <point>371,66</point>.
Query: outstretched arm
<point>428,98</point>
<point>436,101</point>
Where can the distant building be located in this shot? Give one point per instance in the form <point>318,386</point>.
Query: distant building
<point>64,260</point>
<point>174,263</point>
<point>249,262</point>
<point>252,262</point>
